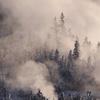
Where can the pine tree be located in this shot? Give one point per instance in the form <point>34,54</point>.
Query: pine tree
<point>86,42</point>
<point>70,55</point>
<point>62,26</point>
<point>62,18</point>
<point>70,62</point>
<point>67,68</point>
<point>51,55</point>
<point>98,45</point>
<point>56,55</point>
<point>76,53</point>
<point>45,55</point>
<point>39,96</point>
<point>63,60</point>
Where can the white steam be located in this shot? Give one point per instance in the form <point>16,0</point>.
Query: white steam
<point>34,75</point>
<point>30,21</point>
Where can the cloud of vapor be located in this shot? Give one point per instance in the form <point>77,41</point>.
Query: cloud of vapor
<point>34,76</point>
<point>28,25</point>
<point>37,15</point>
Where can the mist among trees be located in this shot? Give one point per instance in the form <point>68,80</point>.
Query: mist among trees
<point>41,67</point>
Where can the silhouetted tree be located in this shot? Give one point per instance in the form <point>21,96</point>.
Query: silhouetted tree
<point>56,55</point>
<point>70,60</point>
<point>98,45</point>
<point>62,61</point>
<point>86,42</point>
<point>62,18</point>
<point>51,55</point>
<point>76,52</point>
<point>69,66</point>
<point>39,96</point>
<point>45,55</point>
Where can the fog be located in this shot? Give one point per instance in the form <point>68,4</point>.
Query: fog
<point>27,26</point>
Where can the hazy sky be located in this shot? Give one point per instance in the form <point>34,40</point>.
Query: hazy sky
<point>82,15</point>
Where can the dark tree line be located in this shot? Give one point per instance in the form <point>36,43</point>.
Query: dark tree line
<point>55,55</point>
<point>6,93</point>
<point>67,67</point>
<point>66,63</point>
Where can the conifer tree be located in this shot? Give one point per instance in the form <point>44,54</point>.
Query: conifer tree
<point>98,45</point>
<point>51,55</point>
<point>56,55</point>
<point>76,53</point>
<point>62,26</point>
<point>62,18</point>
<point>68,68</point>
<point>70,62</point>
